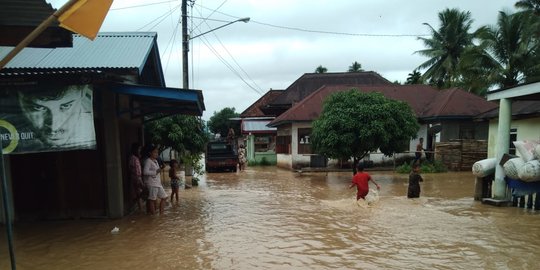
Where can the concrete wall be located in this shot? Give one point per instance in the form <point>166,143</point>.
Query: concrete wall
<point>527,129</point>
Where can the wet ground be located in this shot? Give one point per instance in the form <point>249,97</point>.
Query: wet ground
<point>267,218</point>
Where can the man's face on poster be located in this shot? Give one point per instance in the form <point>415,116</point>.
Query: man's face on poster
<point>53,117</point>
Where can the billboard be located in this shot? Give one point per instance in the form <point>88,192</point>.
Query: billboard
<point>46,118</point>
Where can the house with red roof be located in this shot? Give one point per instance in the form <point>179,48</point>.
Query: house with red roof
<point>260,139</point>
<point>443,115</point>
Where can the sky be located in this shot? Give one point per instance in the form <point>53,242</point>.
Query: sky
<point>284,39</point>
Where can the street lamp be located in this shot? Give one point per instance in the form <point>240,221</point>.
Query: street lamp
<point>186,38</point>
<point>245,20</point>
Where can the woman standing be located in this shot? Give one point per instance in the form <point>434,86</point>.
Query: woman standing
<point>135,172</point>
<point>153,182</point>
<point>242,157</point>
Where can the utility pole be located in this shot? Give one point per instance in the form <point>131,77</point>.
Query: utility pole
<point>185,46</point>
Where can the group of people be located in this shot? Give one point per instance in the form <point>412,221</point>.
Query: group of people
<point>361,180</point>
<point>145,175</point>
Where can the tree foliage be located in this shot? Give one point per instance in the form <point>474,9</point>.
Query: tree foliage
<point>355,67</point>
<point>529,5</point>
<point>321,69</point>
<point>446,47</point>
<point>183,133</point>
<point>353,123</point>
<point>415,77</point>
<point>508,52</point>
<point>220,122</point>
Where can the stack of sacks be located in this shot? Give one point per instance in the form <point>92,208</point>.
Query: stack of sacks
<point>527,166</point>
<point>484,167</point>
<point>511,167</point>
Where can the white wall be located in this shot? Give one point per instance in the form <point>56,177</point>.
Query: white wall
<point>527,129</point>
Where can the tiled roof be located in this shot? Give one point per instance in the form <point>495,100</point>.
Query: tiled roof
<point>425,101</point>
<point>254,110</point>
<point>309,82</point>
<point>108,50</point>
<point>520,108</point>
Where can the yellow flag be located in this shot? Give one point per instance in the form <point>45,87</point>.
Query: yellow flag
<point>85,17</point>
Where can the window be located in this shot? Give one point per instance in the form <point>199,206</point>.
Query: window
<point>304,141</point>
<point>513,138</point>
<point>283,144</point>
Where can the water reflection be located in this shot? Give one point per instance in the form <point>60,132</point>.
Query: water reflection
<point>267,218</point>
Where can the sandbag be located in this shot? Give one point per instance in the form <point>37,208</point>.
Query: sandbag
<point>537,152</point>
<point>530,171</point>
<point>484,167</point>
<point>526,149</point>
<point>511,167</point>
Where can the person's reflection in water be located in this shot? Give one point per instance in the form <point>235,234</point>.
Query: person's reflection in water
<point>61,118</point>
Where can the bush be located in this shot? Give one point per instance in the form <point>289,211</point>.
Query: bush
<point>404,168</point>
<point>426,167</point>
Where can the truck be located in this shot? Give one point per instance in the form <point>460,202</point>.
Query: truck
<point>220,156</point>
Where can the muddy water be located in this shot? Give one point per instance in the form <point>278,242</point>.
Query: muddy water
<point>266,218</point>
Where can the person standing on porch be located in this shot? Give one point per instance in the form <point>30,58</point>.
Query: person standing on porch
<point>152,180</point>
<point>135,170</point>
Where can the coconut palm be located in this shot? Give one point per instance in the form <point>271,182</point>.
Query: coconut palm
<point>321,69</point>
<point>355,67</point>
<point>414,77</point>
<point>445,47</point>
<point>529,5</point>
<point>508,52</point>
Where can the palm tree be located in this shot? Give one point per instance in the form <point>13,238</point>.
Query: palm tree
<point>414,77</point>
<point>355,67</point>
<point>508,51</point>
<point>321,69</point>
<point>445,47</point>
<point>529,5</point>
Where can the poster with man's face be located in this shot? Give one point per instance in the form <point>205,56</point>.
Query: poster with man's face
<point>46,118</point>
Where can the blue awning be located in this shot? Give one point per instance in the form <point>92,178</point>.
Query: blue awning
<point>157,102</point>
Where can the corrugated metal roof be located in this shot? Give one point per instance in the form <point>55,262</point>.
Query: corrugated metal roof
<point>108,50</point>
<point>256,126</point>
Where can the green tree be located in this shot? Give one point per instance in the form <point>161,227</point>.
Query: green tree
<point>353,123</point>
<point>220,122</point>
<point>529,5</point>
<point>445,48</point>
<point>355,67</point>
<point>321,69</point>
<point>182,133</point>
<point>508,52</point>
<point>414,77</point>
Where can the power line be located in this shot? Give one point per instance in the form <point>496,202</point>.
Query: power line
<point>143,5</point>
<point>319,31</point>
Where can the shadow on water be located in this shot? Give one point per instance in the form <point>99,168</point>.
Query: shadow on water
<point>268,218</point>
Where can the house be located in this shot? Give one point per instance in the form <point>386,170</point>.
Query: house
<point>18,18</point>
<point>260,139</point>
<point>122,85</point>
<point>517,118</point>
<point>442,114</point>
<point>310,82</point>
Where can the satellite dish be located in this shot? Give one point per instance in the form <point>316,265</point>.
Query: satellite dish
<point>435,129</point>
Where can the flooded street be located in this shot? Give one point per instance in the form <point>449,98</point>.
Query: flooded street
<point>268,218</point>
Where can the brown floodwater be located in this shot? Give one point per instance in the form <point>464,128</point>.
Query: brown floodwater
<point>268,218</point>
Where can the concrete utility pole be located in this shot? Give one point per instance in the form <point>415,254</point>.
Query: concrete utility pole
<point>185,46</point>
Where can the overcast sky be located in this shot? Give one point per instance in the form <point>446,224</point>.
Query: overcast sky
<point>236,64</point>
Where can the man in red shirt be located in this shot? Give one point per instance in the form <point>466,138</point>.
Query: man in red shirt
<point>361,181</point>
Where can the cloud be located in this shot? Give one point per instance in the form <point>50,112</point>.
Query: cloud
<point>285,39</point>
